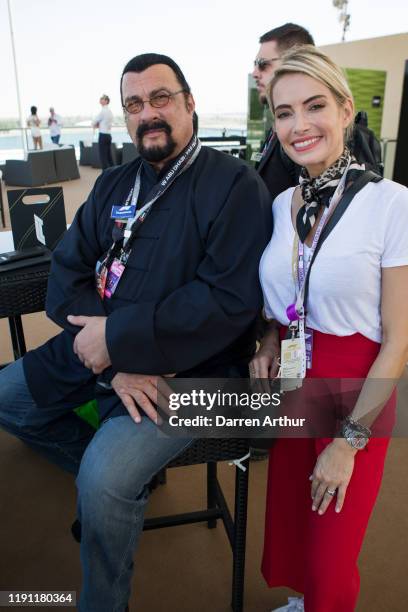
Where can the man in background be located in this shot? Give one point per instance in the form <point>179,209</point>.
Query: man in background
<point>278,172</point>
<point>55,125</point>
<point>103,122</point>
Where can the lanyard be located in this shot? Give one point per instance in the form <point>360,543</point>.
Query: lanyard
<point>300,267</point>
<point>182,163</point>
<point>110,267</point>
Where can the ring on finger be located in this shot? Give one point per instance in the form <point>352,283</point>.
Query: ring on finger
<point>331,492</point>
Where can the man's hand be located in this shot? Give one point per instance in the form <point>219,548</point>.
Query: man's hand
<point>90,344</point>
<point>141,390</point>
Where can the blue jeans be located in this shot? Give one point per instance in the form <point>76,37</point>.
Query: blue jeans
<point>114,467</point>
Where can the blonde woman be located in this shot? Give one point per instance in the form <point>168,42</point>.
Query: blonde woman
<point>321,491</point>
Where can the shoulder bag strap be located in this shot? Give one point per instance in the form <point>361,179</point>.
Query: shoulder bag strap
<point>349,194</point>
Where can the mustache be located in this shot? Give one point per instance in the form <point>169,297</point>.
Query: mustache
<point>153,125</point>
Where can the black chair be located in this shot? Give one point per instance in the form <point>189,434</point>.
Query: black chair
<point>85,154</point>
<point>210,451</point>
<point>38,169</point>
<point>118,155</point>
<point>66,164</point>
<point>95,159</point>
<point>22,291</point>
<point>129,152</point>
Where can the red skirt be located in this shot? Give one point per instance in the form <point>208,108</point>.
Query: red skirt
<point>317,555</point>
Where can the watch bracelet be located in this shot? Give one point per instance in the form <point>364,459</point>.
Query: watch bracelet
<point>355,434</point>
<point>357,427</point>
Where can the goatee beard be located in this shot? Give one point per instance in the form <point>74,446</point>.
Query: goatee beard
<point>155,153</point>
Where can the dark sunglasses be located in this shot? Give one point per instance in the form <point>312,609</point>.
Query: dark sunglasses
<point>262,63</point>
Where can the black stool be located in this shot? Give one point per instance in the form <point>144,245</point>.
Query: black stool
<point>210,451</point>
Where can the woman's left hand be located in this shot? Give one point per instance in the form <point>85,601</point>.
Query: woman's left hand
<point>332,473</point>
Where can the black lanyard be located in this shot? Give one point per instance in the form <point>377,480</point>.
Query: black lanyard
<point>183,161</point>
<point>123,234</point>
<point>365,178</point>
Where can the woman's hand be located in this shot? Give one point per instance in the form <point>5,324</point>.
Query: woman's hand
<point>265,363</point>
<point>332,472</point>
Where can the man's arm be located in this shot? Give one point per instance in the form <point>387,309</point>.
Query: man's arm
<point>97,120</point>
<point>201,318</point>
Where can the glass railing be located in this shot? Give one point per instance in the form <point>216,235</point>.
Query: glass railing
<point>11,141</point>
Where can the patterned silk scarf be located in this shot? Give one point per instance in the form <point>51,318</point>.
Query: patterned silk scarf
<point>318,191</point>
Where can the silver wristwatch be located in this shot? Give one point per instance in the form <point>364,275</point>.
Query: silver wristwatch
<point>357,435</point>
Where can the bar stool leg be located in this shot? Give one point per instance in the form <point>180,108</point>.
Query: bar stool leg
<point>240,523</point>
<point>17,336</point>
<point>211,491</point>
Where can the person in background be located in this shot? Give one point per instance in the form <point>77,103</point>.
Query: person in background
<point>103,122</point>
<point>34,123</point>
<point>269,162</point>
<point>321,491</point>
<point>55,125</point>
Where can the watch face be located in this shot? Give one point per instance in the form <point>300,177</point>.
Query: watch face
<point>358,442</point>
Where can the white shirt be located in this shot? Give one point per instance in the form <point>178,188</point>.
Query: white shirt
<point>104,120</point>
<point>345,280</point>
<point>56,125</point>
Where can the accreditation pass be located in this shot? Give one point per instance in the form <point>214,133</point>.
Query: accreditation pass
<point>292,363</point>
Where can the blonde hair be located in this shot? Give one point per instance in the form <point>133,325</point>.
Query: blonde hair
<point>308,60</point>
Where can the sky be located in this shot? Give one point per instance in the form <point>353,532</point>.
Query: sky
<point>69,52</point>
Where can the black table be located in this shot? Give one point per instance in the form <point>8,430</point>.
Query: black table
<point>22,291</point>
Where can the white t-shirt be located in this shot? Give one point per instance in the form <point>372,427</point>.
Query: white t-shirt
<point>56,125</point>
<point>345,280</point>
<point>104,120</point>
